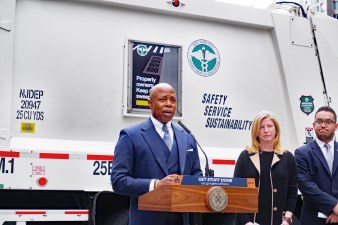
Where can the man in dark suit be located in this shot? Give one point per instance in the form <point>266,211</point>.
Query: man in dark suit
<point>317,164</point>
<point>148,155</point>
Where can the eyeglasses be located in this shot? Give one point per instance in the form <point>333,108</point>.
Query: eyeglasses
<point>327,122</point>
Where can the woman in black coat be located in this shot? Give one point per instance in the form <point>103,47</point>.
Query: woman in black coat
<point>275,173</point>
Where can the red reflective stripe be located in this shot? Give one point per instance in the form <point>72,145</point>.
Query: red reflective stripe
<point>9,154</point>
<point>100,157</point>
<point>76,212</point>
<point>30,212</point>
<point>224,161</point>
<point>54,156</point>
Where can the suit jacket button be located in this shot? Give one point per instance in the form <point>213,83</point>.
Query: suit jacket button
<point>275,190</point>
<point>275,209</point>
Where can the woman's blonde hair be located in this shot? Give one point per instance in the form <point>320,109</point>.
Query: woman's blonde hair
<point>255,146</point>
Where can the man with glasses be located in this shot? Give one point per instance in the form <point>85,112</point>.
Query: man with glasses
<point>317,164</point>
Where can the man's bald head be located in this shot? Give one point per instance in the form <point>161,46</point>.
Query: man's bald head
<point>162,102</point>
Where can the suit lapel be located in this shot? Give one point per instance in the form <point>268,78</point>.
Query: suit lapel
<point>275,159</point>
<point>318,152</point>
<point>335,159</point>
<point>181,146</point>
<point>154,142</point>
<point>255,160</point>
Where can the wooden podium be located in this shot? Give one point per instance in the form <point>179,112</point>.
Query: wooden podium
<point>193,198</point>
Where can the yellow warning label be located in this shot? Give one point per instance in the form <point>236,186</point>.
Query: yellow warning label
<point>142,102</point>
<point>28,128</point>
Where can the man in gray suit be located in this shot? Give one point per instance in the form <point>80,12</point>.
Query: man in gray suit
<point>149,154</point>
<point>317,164</point>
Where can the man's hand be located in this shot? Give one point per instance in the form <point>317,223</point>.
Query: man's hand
<point>168,180</point>
<point>332,218</point>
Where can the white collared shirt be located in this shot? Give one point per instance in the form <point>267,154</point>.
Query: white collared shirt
<point>158,126</point>
<point>321,145</point>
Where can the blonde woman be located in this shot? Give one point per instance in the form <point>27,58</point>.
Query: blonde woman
<point>275,173</point>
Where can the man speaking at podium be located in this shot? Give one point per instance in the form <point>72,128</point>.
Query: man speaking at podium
<point>149,153</point>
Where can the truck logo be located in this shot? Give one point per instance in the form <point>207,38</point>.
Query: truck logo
<point>142,49</point>
<point>306,104</point>
<point>203,58</point>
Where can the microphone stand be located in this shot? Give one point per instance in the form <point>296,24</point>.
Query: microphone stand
<point>208,172</point>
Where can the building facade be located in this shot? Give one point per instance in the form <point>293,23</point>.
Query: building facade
<point>329,7</point>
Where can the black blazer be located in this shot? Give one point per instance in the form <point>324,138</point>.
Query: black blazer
<point>284,183</point>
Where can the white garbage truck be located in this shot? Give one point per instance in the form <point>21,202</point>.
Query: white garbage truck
<point>74,73</point>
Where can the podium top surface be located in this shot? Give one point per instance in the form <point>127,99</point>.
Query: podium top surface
<point>215,181</point>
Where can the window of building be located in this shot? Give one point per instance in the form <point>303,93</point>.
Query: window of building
<point>335,5</point>
<point>148,64</point>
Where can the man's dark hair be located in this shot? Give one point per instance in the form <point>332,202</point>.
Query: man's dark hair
<point>327,109</point>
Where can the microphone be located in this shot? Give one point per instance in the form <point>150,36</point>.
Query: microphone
<point>208,172</point>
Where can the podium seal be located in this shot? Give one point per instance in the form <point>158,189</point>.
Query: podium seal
<point>217,199</point>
